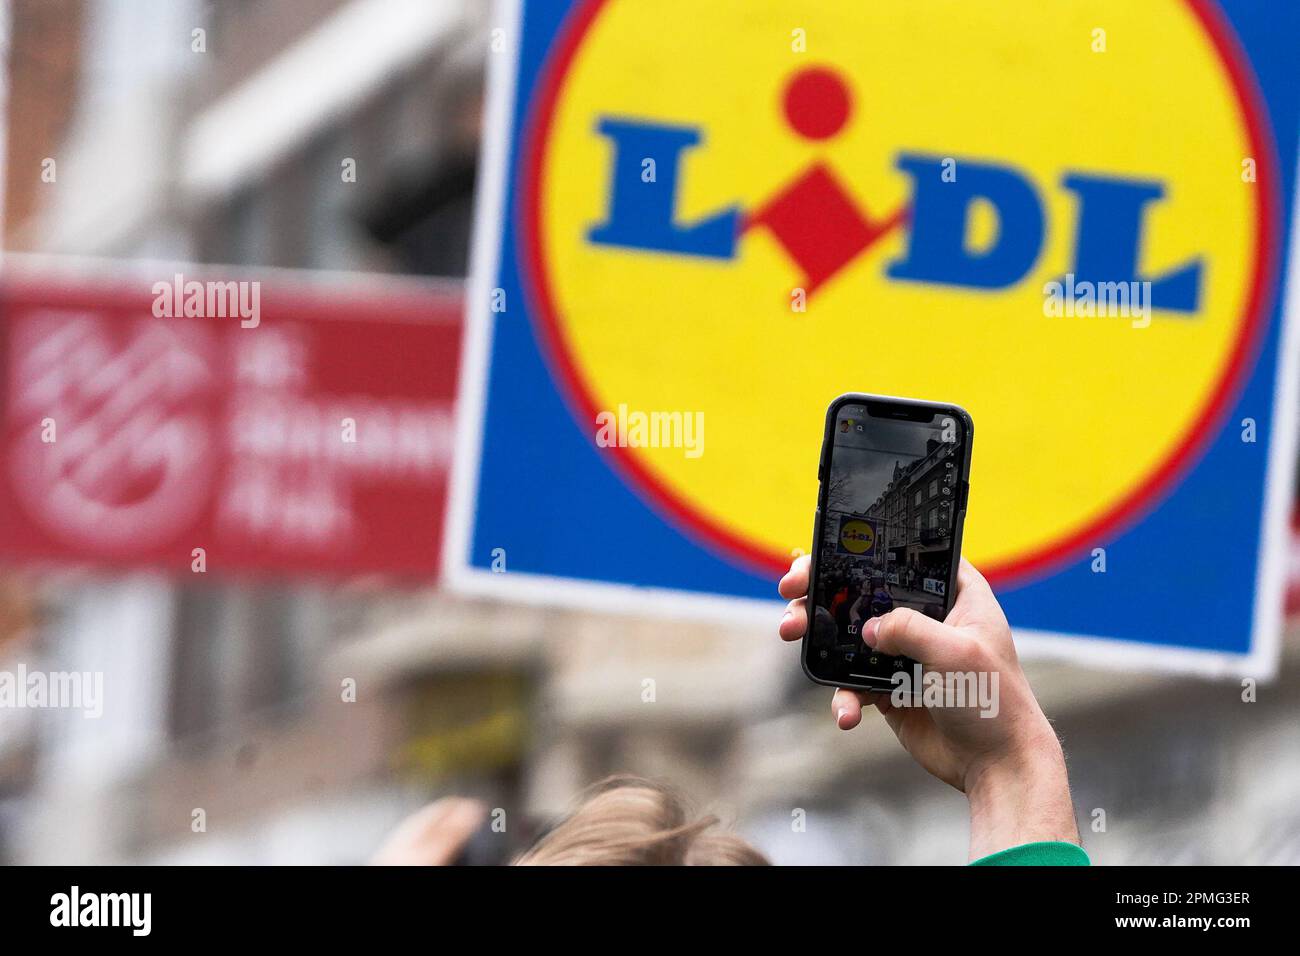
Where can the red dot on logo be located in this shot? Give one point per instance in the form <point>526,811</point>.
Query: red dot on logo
<point>817,102</point>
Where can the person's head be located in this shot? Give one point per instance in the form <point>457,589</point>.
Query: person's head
<point>626,821</point>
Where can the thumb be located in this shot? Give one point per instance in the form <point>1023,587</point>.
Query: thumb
<point>916,635</point>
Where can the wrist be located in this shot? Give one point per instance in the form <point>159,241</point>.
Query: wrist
<point>1020,797</point>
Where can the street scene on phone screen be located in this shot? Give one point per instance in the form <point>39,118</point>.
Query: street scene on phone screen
<point>892,497</point>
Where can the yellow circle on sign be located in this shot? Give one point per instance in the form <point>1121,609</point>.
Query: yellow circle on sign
<point>1074,416</point>
<point>857,537</point>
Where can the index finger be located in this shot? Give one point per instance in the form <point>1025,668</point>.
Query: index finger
<point>795,582</point>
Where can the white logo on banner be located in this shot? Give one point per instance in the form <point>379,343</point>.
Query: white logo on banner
<point>132,459</point>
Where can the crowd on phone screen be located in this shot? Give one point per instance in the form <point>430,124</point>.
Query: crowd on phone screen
<point>852,592</point>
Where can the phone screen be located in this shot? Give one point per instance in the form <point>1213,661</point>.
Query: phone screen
<point>892,500</point>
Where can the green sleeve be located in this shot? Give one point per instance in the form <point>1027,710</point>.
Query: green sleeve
<point>1047,853</point>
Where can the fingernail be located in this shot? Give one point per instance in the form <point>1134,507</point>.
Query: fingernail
<point>869,631</point>
<point>839,716</point>
<point>785,617</point>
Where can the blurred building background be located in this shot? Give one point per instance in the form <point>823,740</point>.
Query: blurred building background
<point>215,132</point>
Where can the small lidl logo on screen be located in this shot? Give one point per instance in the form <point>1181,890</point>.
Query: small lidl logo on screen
<point>746,208</point>
<point>857,536</point>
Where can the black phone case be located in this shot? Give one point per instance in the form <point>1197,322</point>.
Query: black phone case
<point>959,521</point>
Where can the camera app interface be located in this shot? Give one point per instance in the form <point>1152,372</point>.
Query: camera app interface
<point>891,500</point>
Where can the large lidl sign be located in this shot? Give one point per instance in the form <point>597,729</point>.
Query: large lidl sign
<point>702,221</point>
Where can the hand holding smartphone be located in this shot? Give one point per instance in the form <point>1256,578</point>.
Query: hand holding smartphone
<point>894,475</point>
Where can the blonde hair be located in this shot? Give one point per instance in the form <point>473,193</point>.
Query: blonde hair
<point>627,821</point>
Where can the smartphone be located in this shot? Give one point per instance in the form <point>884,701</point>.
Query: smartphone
<point>894,476</point>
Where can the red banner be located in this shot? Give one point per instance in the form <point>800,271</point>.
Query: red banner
<point>231,423</point>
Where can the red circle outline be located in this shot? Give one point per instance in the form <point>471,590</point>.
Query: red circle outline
<point>1120,517</point>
